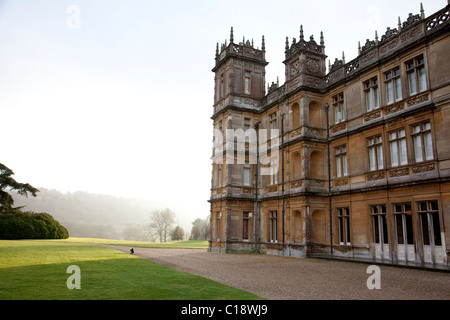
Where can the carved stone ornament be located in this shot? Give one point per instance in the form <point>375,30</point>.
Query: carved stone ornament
<point>375,176</point>
<point>339,127</point>
<point>372,116</point>
<point>390,33</point>
<point>312,66</point>
<point>340,182</point>
<point>394,108</point>
<point>416,100</point>
<point>399,172</point>
<point>295,67</point>
<point>424,167</point>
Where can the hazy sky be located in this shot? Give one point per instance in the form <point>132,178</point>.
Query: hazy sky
<point>115,97</point>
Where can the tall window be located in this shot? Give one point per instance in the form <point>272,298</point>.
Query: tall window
<point>397,147</point>
<point>273,172</point>
<point>221,87</point>
<point>422,141</point>
<point>344,225</point>
<point>273,226</point>
<point>219,175</point>
<point>245,225</point>
<point>415,70</point>
<point>403,223</point>
<point>341,161</point>
<point>339,111</point>
<point>379,224</point>
<point>393,85</point>
<point>375,153</point>
<point>273,125</point>
<point>429,218</point>
<point>371,94</point>
<point>247,127</point>
<point>247,83</point>
<point>246,174</point>
<point>218,217</point>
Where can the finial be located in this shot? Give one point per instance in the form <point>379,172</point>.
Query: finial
<point>252,42</point>
<point>278,82</point>
<point>329,65</point>
<point>376,36</point>
<point>231,35</point>
<point>343,57</point>
<point>263,46</point>
<point>422,12</point>
<point>217,49</point>
<point>321,38</point>
<point>399,24</point>
<point>301,32</point>
<point>287,42</point>
<point>359,48</point>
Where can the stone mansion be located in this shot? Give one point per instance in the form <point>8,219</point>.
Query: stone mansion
<point>350,159</point>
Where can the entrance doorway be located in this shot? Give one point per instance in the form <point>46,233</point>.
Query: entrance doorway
<point>404,230</point>
<point>433,250</point>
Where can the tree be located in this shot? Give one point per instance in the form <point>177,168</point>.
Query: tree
<point>200,229</point>
<point>161,222</point>
<point>177,233</point>
<point>7,182</point>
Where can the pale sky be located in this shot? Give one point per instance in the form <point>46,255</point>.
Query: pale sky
<point>115,97</point>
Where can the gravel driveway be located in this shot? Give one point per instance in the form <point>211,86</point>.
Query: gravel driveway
<point>288,278</point>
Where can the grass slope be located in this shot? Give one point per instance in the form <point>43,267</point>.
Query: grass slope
<point>31,269</point>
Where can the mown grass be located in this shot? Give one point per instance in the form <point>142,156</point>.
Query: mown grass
<point>37,270</point>
<point>187,244</point>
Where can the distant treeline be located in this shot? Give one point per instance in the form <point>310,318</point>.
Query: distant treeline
<point>93,215</point>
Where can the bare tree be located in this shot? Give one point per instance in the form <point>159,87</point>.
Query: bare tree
<point>161,222</point>
<point>200,229</point>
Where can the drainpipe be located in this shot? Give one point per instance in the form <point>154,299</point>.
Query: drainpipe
<point>327,107</point>
<point>255,235</point>
<point>282,174</point>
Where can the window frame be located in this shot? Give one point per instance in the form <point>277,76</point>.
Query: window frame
<point>340,154</point>
<point>377,147</point>
<point>403,211</point>
<point>379,223</point>
<point>424,137</point>
<point>371,94</point>
<point>246,215</point>
<point>273,226</point>
<point>432,238</point>
<point>415,70</point>
<point>246,176</point>
<point>273,125</point>
<point>397,147</point>
<point>339,108</point>
<point>393,78</point>
<point>221,87</point>
<point>247,82</point>
<point>343,216</point>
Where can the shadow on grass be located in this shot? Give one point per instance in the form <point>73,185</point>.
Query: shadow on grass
<point>39,272</point>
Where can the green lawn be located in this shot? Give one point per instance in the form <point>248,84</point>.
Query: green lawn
<point>33,269</point>
<point>188,244</point>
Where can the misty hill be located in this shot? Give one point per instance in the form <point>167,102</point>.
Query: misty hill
<point>93,215</point>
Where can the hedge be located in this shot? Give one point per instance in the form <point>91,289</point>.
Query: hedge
<point>30,225</point>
